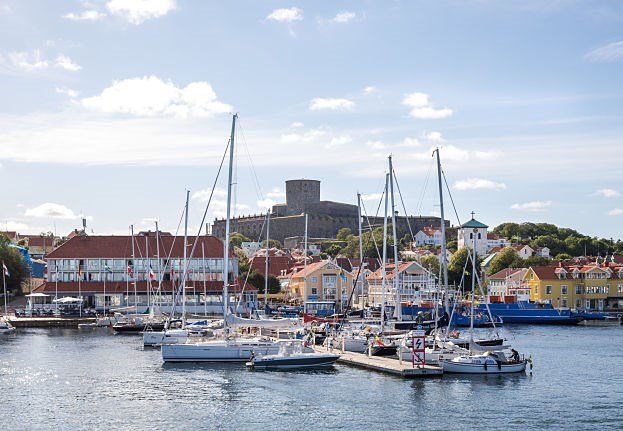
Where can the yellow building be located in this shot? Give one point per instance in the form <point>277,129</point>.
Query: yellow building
<point>592,286</point>
<point>322,281</point>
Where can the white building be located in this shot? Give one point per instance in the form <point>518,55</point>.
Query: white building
<point>470,230</point>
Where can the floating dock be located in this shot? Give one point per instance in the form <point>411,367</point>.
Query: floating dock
<point>48,322</point>
<point>386,364</point>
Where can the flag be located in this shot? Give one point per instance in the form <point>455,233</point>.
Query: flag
<point>130,272</point>
<point>151,274</point>
<point>107,268</point>
<point>5,269</point>
<point>342,276</point>
<point>79,272</point>
<point>378,341</point>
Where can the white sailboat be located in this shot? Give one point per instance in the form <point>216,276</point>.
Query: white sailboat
<point>478,362</point>
<point>229,347</point>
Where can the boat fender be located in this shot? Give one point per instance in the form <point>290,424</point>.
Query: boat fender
<point>499,365</point>
<point>485,366</point>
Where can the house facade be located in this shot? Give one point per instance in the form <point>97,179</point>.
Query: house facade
<point>322,281</point>
<point>124,271</point>
<point>411,283</point>
<point>473,230</point>
<point>593,286</point>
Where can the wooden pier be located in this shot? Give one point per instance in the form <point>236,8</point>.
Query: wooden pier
<point>48,322</point>
<point>386,364</point>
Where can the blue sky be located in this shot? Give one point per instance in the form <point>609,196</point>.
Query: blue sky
<point>112,109</point>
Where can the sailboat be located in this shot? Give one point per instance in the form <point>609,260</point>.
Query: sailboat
<point>228,347</point>
<point>479,362</point>
<point>5,326</point>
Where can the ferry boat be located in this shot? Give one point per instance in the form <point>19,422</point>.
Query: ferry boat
<point>529,313</point>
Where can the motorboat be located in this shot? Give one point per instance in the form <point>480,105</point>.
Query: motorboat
<point>497,362</point>
<point>6,327</point>
<point>293,354</point>
<point>605,321</point>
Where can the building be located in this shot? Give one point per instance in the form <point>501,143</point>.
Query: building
<point>595,286</point>
<point>324,218</point>
<point>508,285</point>
<point>470,230</point>
<point>414,284</point>
<point>122,271</point>
<point>428,235</point>
<point>322,281</point>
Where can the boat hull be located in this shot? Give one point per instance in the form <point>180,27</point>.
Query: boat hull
<point>218,351</point>
<point>301,361</point>
<point>479,368</point>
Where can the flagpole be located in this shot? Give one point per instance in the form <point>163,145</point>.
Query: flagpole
<point>6,313</point>
<point>104,296</point>
<point>56,286</point>
<point>79,291</point>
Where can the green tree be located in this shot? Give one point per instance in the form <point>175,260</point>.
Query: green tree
<point>256,279</point>
<point>452,245</point>
<point>372,244</point>
<point>535,261</point>
<point>237,239</point>
<point>14,261</point>
<point>334,250</point>
<point>456,268</point>
<point>563,257</point>
<point>430,263</point>
<point>506,258</point>
<point>343,234</point>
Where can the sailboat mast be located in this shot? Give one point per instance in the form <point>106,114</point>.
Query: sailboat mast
<point>444,255</point>
<point>360,248</point>
<point>133,266</point>
<point>185,260</point>
<point>471,321</point>
<point>397,309</point>
<point>305,260</point>
<point>227,222</point>
<point>266,267</point>
<point>158,269</point>
<point>383,264</point>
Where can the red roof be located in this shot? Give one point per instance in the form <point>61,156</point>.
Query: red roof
<point>276,264</point>
<point>73,288</point>
<point>121,247</point>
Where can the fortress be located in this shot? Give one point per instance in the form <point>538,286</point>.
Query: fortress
<point>324,218</point>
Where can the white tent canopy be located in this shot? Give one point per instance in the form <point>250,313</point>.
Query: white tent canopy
<point>67,300</point>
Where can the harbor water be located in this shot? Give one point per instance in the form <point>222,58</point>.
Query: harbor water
<point>74,379</point>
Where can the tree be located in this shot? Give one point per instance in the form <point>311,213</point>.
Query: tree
<point>273,243</point>
<point>535,261</point>
<point>343,234</point>
<point>334,250</point>
<point>506,258</point>
<point>563,257</point>
<point>237,239</point>
<point>456,267</point>
<point>14,261</point>
<point>257,280</point>
<point>431,264</point>
<point>372,244</point>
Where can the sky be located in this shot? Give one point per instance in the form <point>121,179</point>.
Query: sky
<point>111,110</point>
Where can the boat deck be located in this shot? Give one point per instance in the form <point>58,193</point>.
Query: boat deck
<point>48,322</point>
<point>385,364</point>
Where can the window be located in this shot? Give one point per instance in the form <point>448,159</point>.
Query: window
<point>313,279</point>
<point>548,290</point>
<point>314,291</point>
<point>536,289</point>
<point>563,303</point>
<point>563,289</point>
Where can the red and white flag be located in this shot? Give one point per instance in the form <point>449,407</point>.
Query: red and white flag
<point>151,274</point>
<point>5,269</point>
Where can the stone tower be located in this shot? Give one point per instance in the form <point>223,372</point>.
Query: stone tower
<point>301,195</point>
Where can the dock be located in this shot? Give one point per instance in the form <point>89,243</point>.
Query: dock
<point>385,364</point>
<point>49,322</point>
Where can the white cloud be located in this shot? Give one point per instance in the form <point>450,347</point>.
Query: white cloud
<point>297,125</point>
<point>219,208</point>
<point>370,90</point>
<point>430,113</point>
<point>66,63</point>
<point>478,183</point>
<point>343,17</point>
<point>138,11</point>
<point>87,15</point>
<point>276,193</point>
<point>28,61</point>
<point>266,203</point>
<point>338,141</point>
<point>204,195</point>
<point>332,104</point>
<point>610,52</point>
<point>67,91</point>
<point>371,197</point>
<point>534,206</point>
<point>52,210</point>
<point>376,145</point>
<point>150,96</point>
<point>422,109</point>
<point>615,212</point>
<point>608,193</point>
<point>14,226</point>
<point>435,137</point>
<point>410,142</point>
<point>286,15</point>
<point>314,136</point>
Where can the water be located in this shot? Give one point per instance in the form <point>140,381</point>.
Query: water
<point>60,379</point>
